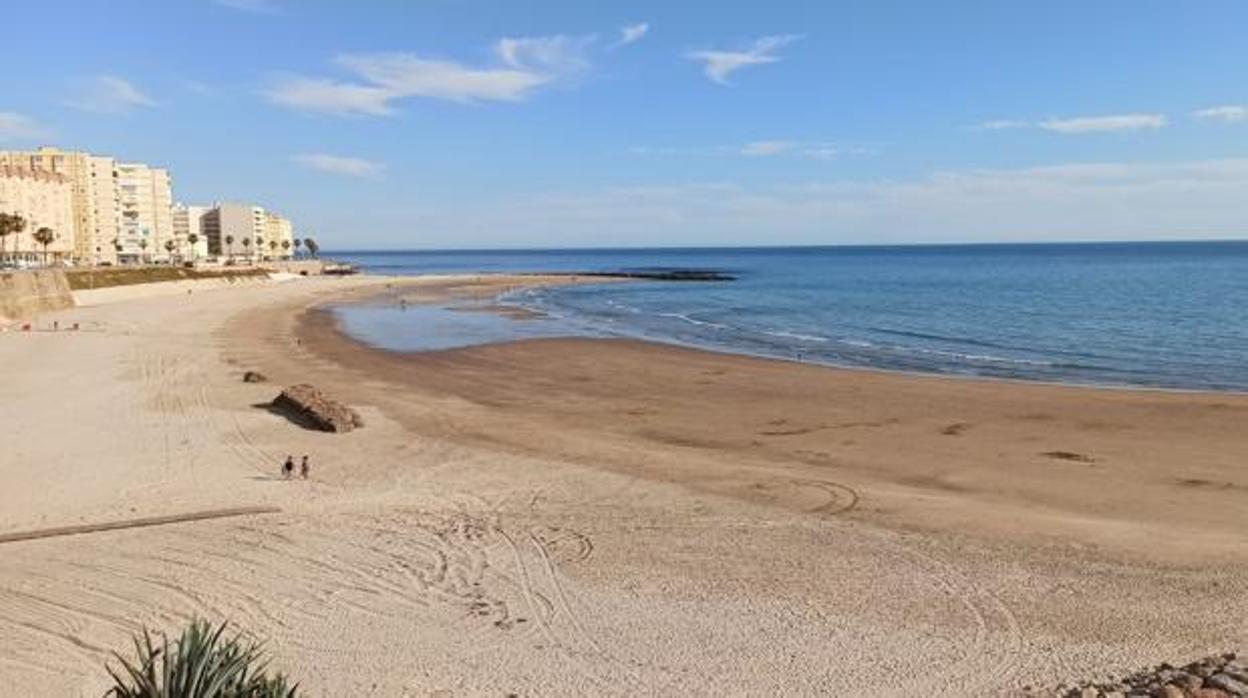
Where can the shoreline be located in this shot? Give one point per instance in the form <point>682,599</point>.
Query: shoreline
<point>319,329</point>
<point>503,307</point>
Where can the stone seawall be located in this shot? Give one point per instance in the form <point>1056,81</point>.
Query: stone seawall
<point>117,294</point>
<point>24,294</point>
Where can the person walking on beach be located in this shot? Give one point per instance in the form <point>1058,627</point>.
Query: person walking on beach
<point>303,467</point>
<point>288,468</point>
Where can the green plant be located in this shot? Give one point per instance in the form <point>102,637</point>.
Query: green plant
<point>44,236</point>
<point>10,224</point>
<point>202,663</point>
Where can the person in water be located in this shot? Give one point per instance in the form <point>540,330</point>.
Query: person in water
<point>288,468</point>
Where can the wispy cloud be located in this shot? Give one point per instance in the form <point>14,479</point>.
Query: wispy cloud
<point>379,79</point>
<point>1230,114</point>
<point>339,165</point>
<point>1003,124</point>
<point>19,127</point>
<point>1117,123</point>
<point>812,150</point>
<point>631,34</point>
<point>758,149</point>
<point>719,65</point>
<point>110,94</point>
<point>1106,124</point>
<point>257,6</point>
<point>1096,201</point>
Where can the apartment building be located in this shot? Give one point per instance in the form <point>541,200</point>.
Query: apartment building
<point>93,196</point>
<point>145,214</point>
<point>246,231</point>
<point>188,221</point>
<point>44,200</point>
<point>279,236</point>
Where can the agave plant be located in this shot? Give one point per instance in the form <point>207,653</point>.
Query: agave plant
<point>202,663</point>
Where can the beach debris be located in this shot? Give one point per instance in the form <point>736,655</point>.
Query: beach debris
<point>254,377</point>
<point>306,403</point>
<point>1215,676</point>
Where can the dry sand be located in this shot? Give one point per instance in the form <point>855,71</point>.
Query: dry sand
<point>572,517</point>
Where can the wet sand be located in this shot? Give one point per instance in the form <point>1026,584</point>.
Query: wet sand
<point>570,517</point>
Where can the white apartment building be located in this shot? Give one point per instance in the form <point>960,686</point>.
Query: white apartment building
<point>94,197</point>
<point>44,200</point>
<point>279,236</point>
<point>188,221</point>
<point>145,214</point>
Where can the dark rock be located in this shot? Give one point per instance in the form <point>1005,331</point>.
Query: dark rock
<point>1228,684</point>
<point>306,403</point>
<point>254,377</point>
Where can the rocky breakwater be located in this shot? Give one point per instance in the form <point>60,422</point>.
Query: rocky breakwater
<point>306,405</point>
<point>1217,676</point>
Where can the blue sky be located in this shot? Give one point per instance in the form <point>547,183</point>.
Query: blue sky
<point>466,123</point>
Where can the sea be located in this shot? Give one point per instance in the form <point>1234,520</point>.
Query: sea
<point>1150,314</point>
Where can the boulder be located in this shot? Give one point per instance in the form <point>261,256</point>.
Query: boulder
<point>254,377</point>
<point>307,404</point>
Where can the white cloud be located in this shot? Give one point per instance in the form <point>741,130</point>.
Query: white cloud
<point>719,65</point>
<point>398,75</point>
<point>18,127</point>
<point>337,164</point>
<point>524,65</point>
<point>257,6</point>
<point>110,94</point>
<point>1231,114</point>
<point>813,150</point>
<point>1099,201</point>
<point>631,34</point>
<point>1119,123</point>
<point>767,148</point>
<point>1003,124</point>
<point>331,97</point>
<point>551,55</point>
<point>1105,124</point>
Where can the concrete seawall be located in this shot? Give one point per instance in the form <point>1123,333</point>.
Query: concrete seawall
<point>24,294</point>
<point>117,294</point>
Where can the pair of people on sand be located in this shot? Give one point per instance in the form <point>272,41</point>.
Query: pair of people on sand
<point>288,468</point>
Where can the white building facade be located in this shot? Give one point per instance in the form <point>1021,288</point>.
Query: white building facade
<point>145,206</point>
<point>43,200</point>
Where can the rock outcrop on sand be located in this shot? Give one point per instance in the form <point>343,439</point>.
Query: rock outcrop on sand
<point>1217,676</point>
<point>309,405</point>
<point>254,377</point>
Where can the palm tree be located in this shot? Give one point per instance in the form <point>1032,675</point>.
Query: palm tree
<point>247,247</point>
<point>169,245</point>
<point>44,236</point>
<point>193,238</point>
<point>313,248</point>
<point>259,246</point>
<point>143,246</point>
<point>10,224</point>
<point>229,241</point>
<point>286,248</point>
<point>297,242</point>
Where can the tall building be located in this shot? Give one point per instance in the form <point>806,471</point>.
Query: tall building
<point>188,221</point>
<point>279,235</point>
<point>145,206</point>
<point>93,196</point>
<point>45,200</point>
<point>245,231</point>
<point>233,230</point>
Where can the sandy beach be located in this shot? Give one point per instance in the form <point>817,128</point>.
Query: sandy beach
<point>602,517</point>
